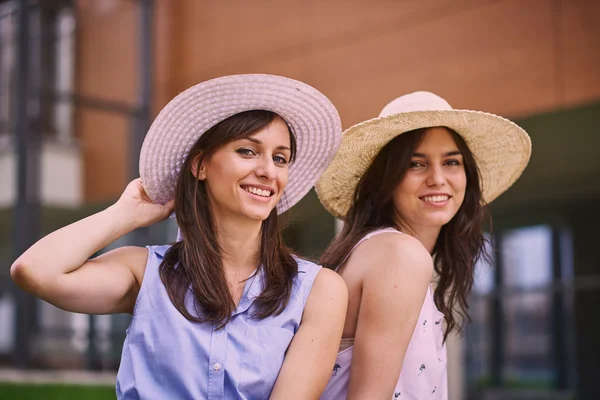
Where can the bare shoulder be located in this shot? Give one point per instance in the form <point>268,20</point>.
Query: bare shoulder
<point>328,293</point>
<point>393,254</point>
<point>330,283</point>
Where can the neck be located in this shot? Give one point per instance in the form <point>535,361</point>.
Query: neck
<point>239,239</point>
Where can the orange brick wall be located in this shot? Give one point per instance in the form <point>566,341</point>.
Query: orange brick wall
<point>510,57</point>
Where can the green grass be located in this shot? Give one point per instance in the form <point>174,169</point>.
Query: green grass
<point>485,381</point>
<point>28,391</point>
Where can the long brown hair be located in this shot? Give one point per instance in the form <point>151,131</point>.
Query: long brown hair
<point>196,262</point>
<point>460,244</point>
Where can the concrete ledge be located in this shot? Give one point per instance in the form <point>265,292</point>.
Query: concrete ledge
<point>58,376</point>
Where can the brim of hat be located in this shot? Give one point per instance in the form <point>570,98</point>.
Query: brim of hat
<point>500,147</point>
<point>313,119</point>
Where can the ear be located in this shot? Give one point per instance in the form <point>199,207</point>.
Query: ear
<point>198,168</point>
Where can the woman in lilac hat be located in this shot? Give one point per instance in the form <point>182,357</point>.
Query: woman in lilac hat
<point>411,187</point>
<point>228,312</point>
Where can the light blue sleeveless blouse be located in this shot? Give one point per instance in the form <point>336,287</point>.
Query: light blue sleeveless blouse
<point>165,356</point>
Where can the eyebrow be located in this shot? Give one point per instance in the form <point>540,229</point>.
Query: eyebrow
<point>259,142</point>
<point>448,154</point>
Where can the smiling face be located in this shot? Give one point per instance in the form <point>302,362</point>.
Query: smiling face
<point>433,188</point>
<point>245,178</point>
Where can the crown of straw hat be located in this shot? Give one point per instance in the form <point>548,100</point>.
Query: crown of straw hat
<point>500,147</point>
<point>313,119</point>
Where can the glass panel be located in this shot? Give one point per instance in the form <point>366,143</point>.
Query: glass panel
<point>527,257</point>
<point>528,340</point>
<point>64,72</point>
<point>527,305</point>
<point>477,333</point>
<point>478,345</point>
<point>7,316</point>
<point>484,274</point>
<point>566,254</point>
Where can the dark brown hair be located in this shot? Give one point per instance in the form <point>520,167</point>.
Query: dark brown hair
<point>196,263</point>
<point>460,244</point>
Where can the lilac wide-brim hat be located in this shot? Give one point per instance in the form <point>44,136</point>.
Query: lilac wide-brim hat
<point>312,118</point>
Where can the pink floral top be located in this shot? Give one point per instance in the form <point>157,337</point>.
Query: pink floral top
<point>423,374</point>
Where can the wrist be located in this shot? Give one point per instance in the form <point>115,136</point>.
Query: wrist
<point>124,219</point>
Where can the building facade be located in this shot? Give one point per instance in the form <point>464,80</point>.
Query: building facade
<point>535,62</point>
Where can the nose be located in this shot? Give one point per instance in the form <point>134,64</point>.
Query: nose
<point>436,176</point>
<point>266,168</point>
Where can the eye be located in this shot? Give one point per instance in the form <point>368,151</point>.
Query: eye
<point>453,163</point>
<point>245,151</point>
<point>416,164</point>
<point>280,160</point>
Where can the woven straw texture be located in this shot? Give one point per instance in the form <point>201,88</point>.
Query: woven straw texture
<point>312,117</point>
<point>501,149</point>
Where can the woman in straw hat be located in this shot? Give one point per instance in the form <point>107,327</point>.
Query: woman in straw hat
<point>227,312</point>
<point>411,186</point>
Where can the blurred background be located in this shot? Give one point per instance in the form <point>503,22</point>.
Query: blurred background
<point>81,80</point>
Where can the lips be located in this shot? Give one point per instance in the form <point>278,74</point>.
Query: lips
<point>262,192</point>
<point>436,198</point>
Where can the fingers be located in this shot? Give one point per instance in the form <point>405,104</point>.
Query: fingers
<point>144,196</point>
<point>136,192</point>
<point>169,207</point>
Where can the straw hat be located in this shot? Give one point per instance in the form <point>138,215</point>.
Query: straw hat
<point>500,147</point>
<point>311,116</point>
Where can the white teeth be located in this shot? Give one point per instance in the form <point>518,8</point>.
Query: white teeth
<point>436,198</point>
<point>259,192</point>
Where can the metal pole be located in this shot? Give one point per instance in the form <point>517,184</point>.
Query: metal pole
<point>26,214</point>
<point>141,118</point>
<point>93,361</point>
<point>497,319</point>
<point>146,62</point>
<point>558,316</point>
<point>141,122</point>
<point>2,99</point>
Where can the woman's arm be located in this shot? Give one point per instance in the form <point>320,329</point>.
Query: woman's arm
<point>310,358</point>
<point>57,269</point>
<point>397,271</point>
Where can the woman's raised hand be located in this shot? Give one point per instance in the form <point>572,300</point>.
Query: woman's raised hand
<point>137,206</point>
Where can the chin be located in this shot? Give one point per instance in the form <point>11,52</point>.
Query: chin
<point>439,220</point>
<point>260,215</point>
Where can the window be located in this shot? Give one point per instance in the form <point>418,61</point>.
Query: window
<point>527,273</point>
<point>478,331</point>
<point>7,61</point>
<point>51,67</point>
<point>520,327</point>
